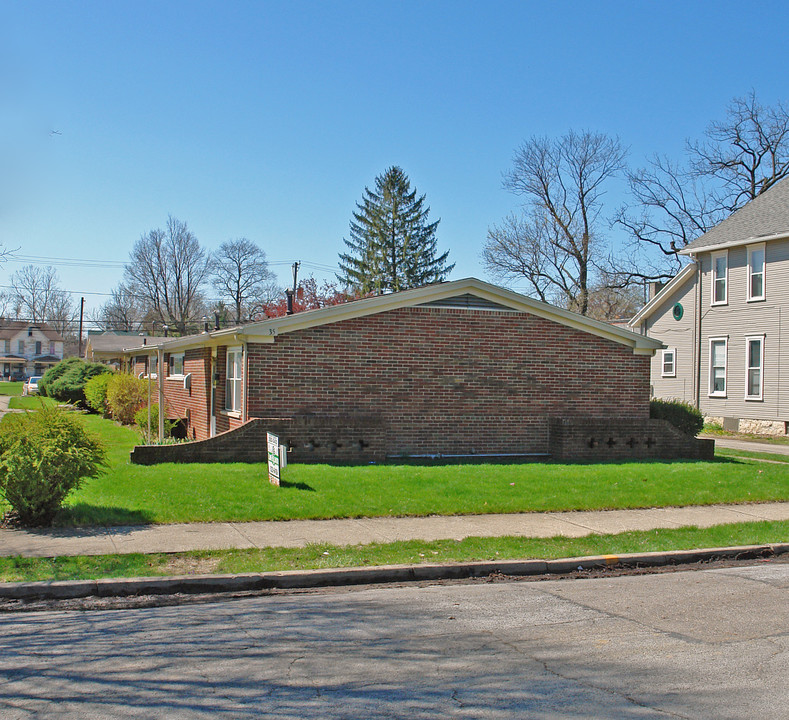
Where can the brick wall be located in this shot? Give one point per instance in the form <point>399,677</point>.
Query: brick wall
<point>451,381</point>
<point>426,381</point>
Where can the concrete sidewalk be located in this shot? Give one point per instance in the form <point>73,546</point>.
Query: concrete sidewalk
<point>750,445</point>
<point>298,533</point>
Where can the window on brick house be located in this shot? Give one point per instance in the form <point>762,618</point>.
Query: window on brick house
<point>176,364</point>
<point>233,381</point>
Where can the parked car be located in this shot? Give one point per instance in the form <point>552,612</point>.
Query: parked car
<point>17,376</point>
<point>31,385</point>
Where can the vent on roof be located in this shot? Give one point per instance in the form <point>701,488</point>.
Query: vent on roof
<point>468,301</point>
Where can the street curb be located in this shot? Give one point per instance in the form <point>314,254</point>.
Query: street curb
<point>305,579</point>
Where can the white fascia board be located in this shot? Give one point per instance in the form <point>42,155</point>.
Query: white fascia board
<point>658,300</point>
<point>269,329</point>
<point>735,243</point>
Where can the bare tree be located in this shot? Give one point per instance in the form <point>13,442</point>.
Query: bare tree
<point>241,277</point>
<point>556,244</point>
<point>167,270</point>
<point>38,297</point>
<point>123,311</point>
<point>673,203</point>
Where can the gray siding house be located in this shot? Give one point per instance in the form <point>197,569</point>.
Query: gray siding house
<point>724,320</point>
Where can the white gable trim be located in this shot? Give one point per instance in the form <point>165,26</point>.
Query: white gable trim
<point>268,330</point>
<point>674,284</point>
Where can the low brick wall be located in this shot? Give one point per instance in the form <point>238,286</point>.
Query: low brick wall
<point>594,439</point>
<point>358,438</point>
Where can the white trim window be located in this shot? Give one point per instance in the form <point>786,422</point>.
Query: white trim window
<point>234,379</point>
<point>754,367</point>
<point>152,365</point>
<point>756,272</point>
<point>176,365</point>
<point>718,352</point>
<point>720,278</point>
<point>668,366</point>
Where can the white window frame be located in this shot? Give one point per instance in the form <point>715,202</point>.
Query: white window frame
<point>710,374</point>
<point>171,364</point>
<point>20,347</point>
<point>231,379</point>
<point>152,366</point>
<point>748,368</point>
<point>672,352</point>
<point>722,254</point>
<point>752,249</point>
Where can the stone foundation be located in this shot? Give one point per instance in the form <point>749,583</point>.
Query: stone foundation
<point>749,426</point>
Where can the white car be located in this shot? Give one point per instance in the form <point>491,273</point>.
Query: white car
<point>31,385</point>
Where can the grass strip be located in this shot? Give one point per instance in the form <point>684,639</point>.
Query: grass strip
<point>11,388</point>
<point>30,402</point>
<point>750,455</point>
<point>317,556</point>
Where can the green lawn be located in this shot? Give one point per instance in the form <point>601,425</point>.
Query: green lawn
<point>769,456</point>
<point>30,402</point>
<point>129,494</point>
<point>11,388</point>
<point>16,569</point>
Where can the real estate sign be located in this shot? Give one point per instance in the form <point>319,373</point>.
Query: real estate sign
<point>273,458</point>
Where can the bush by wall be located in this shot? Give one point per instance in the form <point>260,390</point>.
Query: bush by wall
<point>141,420</point>
<point>66,381</point>
<point>681,415</point>
<point>96,392</point>
<point>44,455</point>
<point>126,394</point>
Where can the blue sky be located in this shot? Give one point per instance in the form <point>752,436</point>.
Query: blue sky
<point>266,120</point>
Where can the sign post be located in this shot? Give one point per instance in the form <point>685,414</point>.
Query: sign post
<point>272,442</point>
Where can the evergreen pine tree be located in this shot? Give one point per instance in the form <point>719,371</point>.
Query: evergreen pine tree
<point>392,245</point>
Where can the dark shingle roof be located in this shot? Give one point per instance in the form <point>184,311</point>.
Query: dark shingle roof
<point>11,328</point>
<point>768,214</point>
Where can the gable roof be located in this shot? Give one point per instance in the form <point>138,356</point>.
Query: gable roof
<point>266,331</point>
<point>766,217</point>
<point>118,343</point>
<point>9,329</point>
<point>656,302</point>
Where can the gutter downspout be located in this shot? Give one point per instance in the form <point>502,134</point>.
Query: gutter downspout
<point>160,380</point>
<point>244,381</point>
<point>698,331</point>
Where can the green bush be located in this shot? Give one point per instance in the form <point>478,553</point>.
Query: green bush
<point>141,420</point>
<point>681,415</point>
<point>54,373</point>
<point>66,381</point>
<point>126,394</point>
<point>96,392</point>
<point>44,455</point>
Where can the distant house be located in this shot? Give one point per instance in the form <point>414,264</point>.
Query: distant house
<point>459,368</point>
<point>724,320</point>
<point>28,349</point>
<point>108,348</point>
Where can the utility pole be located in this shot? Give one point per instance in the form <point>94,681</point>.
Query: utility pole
<point>81,315</point>
<point>291,293</point>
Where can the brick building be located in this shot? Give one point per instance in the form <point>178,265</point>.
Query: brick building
<point>455,368</point>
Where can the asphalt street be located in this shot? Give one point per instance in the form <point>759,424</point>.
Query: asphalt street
<point>692,644</point>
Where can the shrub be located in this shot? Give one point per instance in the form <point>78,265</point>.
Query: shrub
<point>66,381</point>
<point>126,394</point>
<point>54,373</point>
<point>96,392</point>
<point>141,419</point>
<point>681,415</point>
<point>44,455</point>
